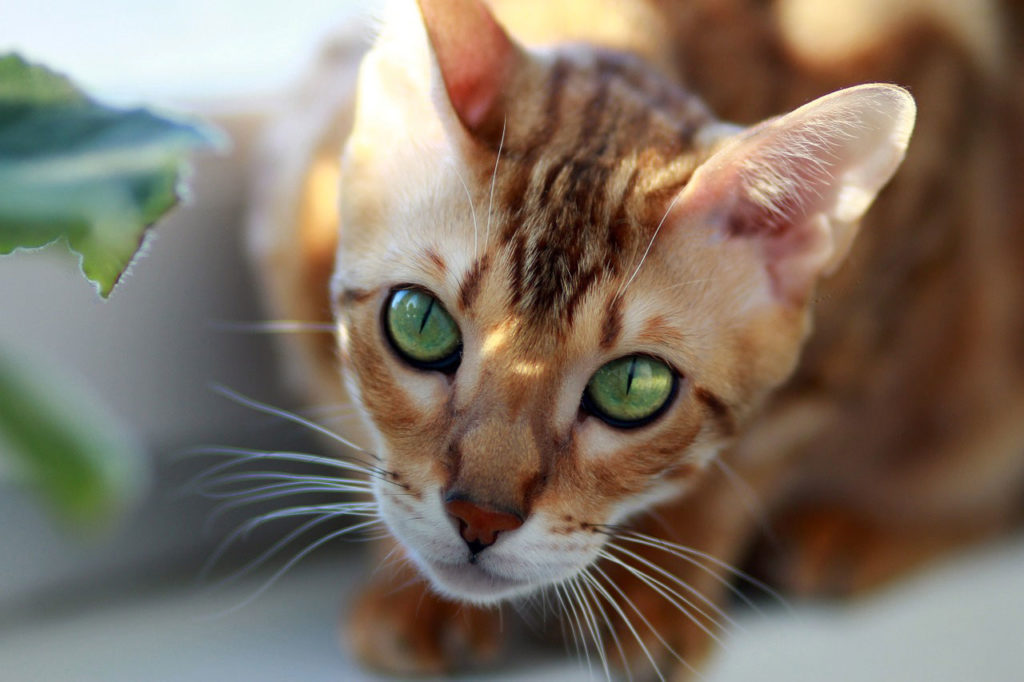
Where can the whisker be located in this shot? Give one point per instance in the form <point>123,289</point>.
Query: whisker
<point>677,600</point>
<point>341,484</point>
<point>346,508</point>
<point>611,629</point>
<point>254,496</point>
<point>288,416</point>
<point>748,498</point>
<point>591,624</point>
<point>657,230</point>
<point>209,483</point>
<point>625,618</point>
<point>494,177</point>
<point>242,456</point>
<point>595,603</point>
<point>686,586</point>
<point>291,562</point>
<point>276,547</point>
<point>692,555</point>
<point>472,209</point>
<point>328,410</point>
<point>373,537</point>
<point>563,616</point>
<point>273,327</point>
<point>577,630</point>
<point>687,283</point>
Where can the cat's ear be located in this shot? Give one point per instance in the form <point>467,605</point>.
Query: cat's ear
<point>796,186</point>
<point>477,59</point>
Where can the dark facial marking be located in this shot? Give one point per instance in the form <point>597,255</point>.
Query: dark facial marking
<point>720,412</point>
<point>582,193</point>
<point>470,286</point>
<point>612,326</point>
<point>437,260</point>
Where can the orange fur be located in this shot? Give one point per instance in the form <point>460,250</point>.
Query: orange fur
<point>896,426</point>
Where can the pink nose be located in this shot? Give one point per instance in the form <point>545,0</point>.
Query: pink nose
<point>479,526</point>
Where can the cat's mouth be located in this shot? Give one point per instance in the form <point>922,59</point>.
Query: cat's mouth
<point>475,582</point>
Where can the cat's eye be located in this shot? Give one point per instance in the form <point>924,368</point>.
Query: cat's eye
<point>631,391</point>
<point>422,331</point>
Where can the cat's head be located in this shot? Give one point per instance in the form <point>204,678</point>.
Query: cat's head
<point>562,284</point>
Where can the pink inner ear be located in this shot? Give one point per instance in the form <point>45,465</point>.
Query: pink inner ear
<point>476,58</point>
<point>796,187</point>
<point>794,244</point>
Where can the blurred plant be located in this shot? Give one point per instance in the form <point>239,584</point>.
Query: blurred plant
<point>96,178</point>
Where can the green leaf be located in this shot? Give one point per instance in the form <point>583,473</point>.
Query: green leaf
<point>63,442</point>
<point>73,169</point>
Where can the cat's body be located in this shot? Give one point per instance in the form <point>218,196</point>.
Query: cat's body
<point>901,430</point>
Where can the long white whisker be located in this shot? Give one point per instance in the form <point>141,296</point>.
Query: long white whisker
<point>328,410</point>
<point>341,484</point>
<point>577,631</point>
<point>207,482</point>
<point>657,230</point>
<point>686,586</point>
<point>692,555</point>
<point>472,209</point>
<point>565,619</point>
<point>625,618</point>
<point>687,283</point>
<point>670,595</point>
<point>274,549</point>
<point>591,623</point>
<point>344,508</point>
<point>244,455</point>
<point>596,604</point>
<point>611,628</point>
<point>581,620</point>
<point>288,416</point>
<point>269,493</point>
<point>748,497</point>
<point>695,561</point>
<point>274,327</point>
<point>494,177</point>
<point>294,560</point>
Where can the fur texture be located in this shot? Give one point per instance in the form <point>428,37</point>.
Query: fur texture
<point>571,199</point>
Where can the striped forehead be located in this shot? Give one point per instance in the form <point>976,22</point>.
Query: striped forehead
<point>581,188</point>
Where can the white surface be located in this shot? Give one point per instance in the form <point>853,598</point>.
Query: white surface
<point>960,622</point>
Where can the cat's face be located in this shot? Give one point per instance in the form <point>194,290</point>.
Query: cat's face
<point>559,291</point>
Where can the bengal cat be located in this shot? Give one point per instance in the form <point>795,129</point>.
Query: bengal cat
<point>574,307</point>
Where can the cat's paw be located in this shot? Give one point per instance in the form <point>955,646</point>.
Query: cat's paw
<point>407,629</point>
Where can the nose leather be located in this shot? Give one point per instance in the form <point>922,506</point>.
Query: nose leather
<point>478,525</point>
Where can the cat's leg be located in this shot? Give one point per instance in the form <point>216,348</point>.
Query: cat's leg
<point>399,625</point>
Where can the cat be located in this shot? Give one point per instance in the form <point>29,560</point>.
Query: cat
<point>574,307</point>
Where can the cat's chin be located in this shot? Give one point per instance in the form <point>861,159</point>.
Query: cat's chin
<point>473,583</point>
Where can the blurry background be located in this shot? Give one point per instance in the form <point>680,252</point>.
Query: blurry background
<point>127,604</point>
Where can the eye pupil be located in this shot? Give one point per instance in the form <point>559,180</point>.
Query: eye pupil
<point>421,331</point>
<point>630,391</point>
<point>426,315</point>
<point>632,371</point>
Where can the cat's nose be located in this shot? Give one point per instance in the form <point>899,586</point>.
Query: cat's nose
<point>479,525</point>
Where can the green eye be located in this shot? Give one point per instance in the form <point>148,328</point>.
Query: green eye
<point>630,391</point>
<point>422,331</point>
